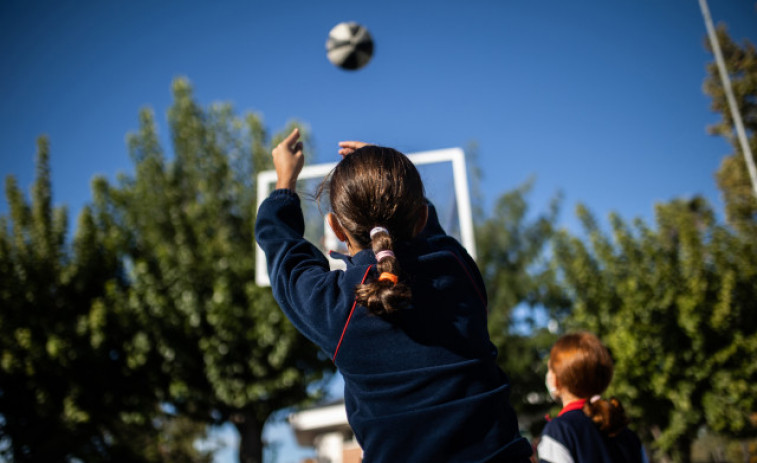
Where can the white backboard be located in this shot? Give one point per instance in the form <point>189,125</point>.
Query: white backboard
<point>444,178</point>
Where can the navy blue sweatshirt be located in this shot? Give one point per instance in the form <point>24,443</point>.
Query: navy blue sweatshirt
<point>421,385</point>
<point>573,437</point>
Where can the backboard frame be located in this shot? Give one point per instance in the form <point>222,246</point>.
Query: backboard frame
<point>462,196</point>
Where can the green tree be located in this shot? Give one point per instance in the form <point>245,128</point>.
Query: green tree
<point>67,389</point>
<point>186,229</point>
<point>732,176</point>
<point>511,255</point>
<point>675,305</point>
<point>675,302</point>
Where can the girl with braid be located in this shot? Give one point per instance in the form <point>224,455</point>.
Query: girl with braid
<point>588,428</point>
<point>405,322</point>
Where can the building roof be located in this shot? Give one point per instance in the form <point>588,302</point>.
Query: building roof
<point>309,424</point>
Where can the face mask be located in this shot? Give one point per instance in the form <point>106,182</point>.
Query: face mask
<point>549,380</point>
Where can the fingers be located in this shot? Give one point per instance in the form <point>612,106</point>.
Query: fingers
<point>288,160</point>
<point>290,145</point>
<point>292,137</point>
<point>349,147</point>
<point>352,144</point>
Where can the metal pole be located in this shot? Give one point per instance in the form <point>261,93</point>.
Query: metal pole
<point>745,149</point>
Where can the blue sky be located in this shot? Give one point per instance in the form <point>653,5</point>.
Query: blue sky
<point>601,100</point>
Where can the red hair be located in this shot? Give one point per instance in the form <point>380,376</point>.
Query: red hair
<point>583,366</point>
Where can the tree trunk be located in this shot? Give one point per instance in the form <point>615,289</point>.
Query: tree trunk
<point>250,436</point>
<point>682,450</point>
<point>662,457</point>
<point>747,457</point>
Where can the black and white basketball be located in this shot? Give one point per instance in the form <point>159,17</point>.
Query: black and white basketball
<point>349,46</point>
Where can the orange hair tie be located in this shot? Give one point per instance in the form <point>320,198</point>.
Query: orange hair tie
<point>388,276</point>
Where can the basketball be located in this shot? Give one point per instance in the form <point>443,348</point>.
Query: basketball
<point>349,46</point>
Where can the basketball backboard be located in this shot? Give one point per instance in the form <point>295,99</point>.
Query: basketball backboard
<point>444,178</point>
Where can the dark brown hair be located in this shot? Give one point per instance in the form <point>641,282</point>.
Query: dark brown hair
<point>378,187</point>
<point>582,365</point>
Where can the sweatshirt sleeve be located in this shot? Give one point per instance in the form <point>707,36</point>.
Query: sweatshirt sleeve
<point>304,286</point>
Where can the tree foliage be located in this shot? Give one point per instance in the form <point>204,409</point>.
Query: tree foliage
<point>68,389</point>
<point>675,301</point>
<point>511,255</point>
<point>152,307</point>
<point>185,226</point>
<point>675,305</point>
<point>732,176</point>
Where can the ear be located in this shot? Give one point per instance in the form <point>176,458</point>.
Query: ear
<point>336,227</point>
<point>421,223</point>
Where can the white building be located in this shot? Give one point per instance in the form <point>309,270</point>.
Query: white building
<point>326,429</point>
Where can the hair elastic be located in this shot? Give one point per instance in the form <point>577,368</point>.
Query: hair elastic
<point>385,253</point>
<point>594,398</point>
<point>387,276</point>
<point>375,230</point>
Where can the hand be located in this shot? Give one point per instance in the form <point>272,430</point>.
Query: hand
<point>349,147</point>
<point>288,160</point>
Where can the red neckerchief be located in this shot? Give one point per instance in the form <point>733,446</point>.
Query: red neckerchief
<point>575,405</point>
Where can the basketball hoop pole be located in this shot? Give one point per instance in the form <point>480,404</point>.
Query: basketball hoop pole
<point>741,133</point>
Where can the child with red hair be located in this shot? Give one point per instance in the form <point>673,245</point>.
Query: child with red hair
<point>588,428</point>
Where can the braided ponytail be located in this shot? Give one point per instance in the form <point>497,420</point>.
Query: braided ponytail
<point>386,294</point>
<point>378,185</point>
